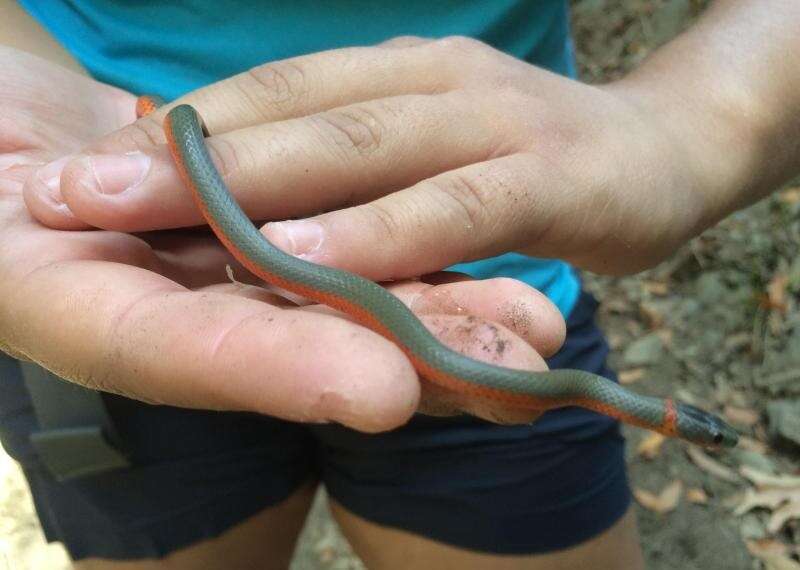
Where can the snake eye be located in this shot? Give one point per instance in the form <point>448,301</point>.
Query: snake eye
<point>717,438</point>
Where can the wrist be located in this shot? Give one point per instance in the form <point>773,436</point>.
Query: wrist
<point>728,93</point>
<point>720,139</point>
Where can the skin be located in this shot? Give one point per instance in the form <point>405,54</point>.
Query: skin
<point>85,280</point>
<point>532,162</point>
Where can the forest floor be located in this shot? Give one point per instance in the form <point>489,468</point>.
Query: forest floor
<point>717,324</point>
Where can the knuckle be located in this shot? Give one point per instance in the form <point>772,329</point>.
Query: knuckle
<point>467,60</point>
<point>280,84</point>
<point>460,44</point>
<point>357,129</point>
<point>387,223</point>
<point>405,41</point>
<point>464,196</point>
<point>17,131</point>
<point>226,156</point>
<point>144,133</point>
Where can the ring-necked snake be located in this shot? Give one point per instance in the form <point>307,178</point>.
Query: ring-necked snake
<point>374,307</point>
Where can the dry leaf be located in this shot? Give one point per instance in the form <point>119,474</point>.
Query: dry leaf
<point>741,416</point>
<point>615,340</point>
<point>751,444</point>
<point>651,315</point>
<point>767,481</point>
<point>789,511</point>
<point>634,328</point>
<point>774,554</point>
<point>790,196</point>
<point>776,292</point>
<point>666,336</point>
<point>712,466</point>
<point>697,496</point>
<point>651,445</point>
<point>778,493</point>
<point>655,288</point>
<point>631,376</point>
<point>777,561</point>
<point>685,395</point>
<point>769,499</point>
<point>766,546</point>
<point>662,503</point>
<point>618,306</point>
<point>739,341</point>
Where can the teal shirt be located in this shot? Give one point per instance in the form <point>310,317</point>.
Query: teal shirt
<point>169,48</point>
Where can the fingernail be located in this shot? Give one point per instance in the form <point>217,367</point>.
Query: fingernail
<point>115,174</point>
<point>302,239</point>
<point>50,177</point>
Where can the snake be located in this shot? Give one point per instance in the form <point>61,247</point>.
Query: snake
<point>373,306</point>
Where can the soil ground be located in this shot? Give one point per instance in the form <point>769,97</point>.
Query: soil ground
<point>718,324</point>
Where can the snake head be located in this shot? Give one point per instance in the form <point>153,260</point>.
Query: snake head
<point>702,428</point>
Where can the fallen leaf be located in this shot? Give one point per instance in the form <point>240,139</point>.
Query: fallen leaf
<point>697,496</point>
<point>766,481</point>
<point>634,328</point>
<point>751,444</point>
<point>776,292</point>
<point>685,395</point>
<point>778,493</point>
<point>651,445</point>
<point>773,560</point>
<point>618,306</point>
<point>766,546</point>
<point>666,336</point>
<point>790,196</point>
<point>651,315</point>
<point>615,340</point>
<point>631,376</point>
<point>741,416</point>
<point>712,466</point>
<point>789,511</point>
<point>732,501</point>
<point>657,288</point>
<point>662,503</point>
<point>769,499</point>
<point>739,341</point>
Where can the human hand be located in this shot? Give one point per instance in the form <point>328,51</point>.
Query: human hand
<point>430,153</point>
<point>154,318</point>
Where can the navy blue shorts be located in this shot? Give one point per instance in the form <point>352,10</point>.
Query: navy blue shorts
<point>462,481</point>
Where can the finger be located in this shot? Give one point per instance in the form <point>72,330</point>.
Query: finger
<point>520,308</point>
<point>473,212</point>
<point>302,86</point>
<point>43,198</point>
<point>293,88</point>
<point>459,315</point>
<point>484,341</point>
<point>278,170</point>
<point>127,330</point>
<point>491,321</point>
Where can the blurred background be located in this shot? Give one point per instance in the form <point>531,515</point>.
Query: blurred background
<point>718,324</point>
